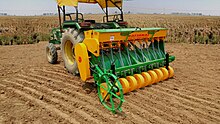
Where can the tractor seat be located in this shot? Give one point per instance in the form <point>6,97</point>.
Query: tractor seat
<point>91,21</point>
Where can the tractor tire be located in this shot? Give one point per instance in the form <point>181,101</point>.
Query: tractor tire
<point>69,39</point>
<point>51,53</point>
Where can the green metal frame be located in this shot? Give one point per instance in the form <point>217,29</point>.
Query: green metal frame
<point>126,62</point>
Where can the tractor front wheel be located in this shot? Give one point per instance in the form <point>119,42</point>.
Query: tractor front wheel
<point>51,53</point>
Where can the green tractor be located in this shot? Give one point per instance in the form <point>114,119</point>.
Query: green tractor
<point>76,22</point>
<point>119,58</point>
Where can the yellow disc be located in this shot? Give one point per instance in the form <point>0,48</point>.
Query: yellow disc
<point>153,76</point>
<point>171,72</point>
<point>165,73</point>
<point>132,83</point>
<point>140,80</point>
<point>103,91</point>
<point>147,78</point>
<point>125,85</point>
<point>159,74</point>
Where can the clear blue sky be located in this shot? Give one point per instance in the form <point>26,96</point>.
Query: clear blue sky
<point>32,7</point>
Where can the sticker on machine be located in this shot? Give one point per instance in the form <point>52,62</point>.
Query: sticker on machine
<point>112,38</point>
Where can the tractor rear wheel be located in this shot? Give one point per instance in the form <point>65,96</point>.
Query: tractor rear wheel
<point>69,39</point>
<point>51,53</point>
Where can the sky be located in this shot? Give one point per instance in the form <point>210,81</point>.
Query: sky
<point>38,7</point>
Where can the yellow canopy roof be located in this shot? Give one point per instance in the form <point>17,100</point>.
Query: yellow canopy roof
<point>100,2</point>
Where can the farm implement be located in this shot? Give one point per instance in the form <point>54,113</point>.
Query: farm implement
<point>119,58</point>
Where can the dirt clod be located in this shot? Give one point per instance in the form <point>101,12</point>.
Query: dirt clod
<point>175,89</point>
<point>41,97</point>
<point>2,92</point>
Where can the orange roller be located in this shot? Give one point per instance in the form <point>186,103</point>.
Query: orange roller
<point>125,85</point>
<point>153,76</point>
<point>147,78</point>
<point>171,72</point>
<point>159,75</point>
<point>104,92</point>
<point>165,73</point>
<point>140,80</point>
<point>132,83</point>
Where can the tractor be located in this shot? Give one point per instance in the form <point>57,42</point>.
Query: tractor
<point>119,58</point>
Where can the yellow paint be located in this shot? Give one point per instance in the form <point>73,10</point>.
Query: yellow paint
<point>92,45</point>
<point>132,83</point>
<point>82,59</point>
<point>161,33</point>
<point>147,78</point>
<point>107,37</point>
<point>68,48</point>
<point>125,85</point>
<point>140,80</point>
<point>159,75</point>
<point>103,4</point>
<point>165,73</point>
<point>104,92</point>
<point>153,76</point>
<point>96,40</point>
<point>171,72</point>
<point>100,2</point>
<point>88,34</point>
<point>67,2</point>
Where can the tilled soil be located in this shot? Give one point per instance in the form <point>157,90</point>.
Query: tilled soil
<point>34,91</point>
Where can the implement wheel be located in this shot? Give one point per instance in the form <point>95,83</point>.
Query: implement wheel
<point>111,92</point>
<point>69,39</point>
<point>51,53</point>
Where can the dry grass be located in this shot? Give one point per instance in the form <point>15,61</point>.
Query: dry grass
<point>188,29</point>
<point>25,30</point>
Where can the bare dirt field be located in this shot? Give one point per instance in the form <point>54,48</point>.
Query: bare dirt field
<point>33,91</point>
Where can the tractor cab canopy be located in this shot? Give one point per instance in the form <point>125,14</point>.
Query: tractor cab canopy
<point>102,3</point>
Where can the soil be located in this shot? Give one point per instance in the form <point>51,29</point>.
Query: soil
<point>34,91</point>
